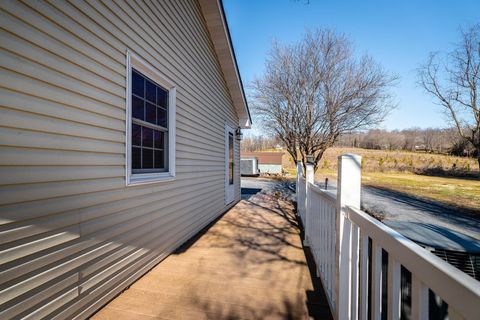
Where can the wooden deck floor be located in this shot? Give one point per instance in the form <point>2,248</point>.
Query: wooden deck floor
<point>250,264</point>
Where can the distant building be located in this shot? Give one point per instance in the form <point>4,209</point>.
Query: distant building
<point>268,162</point>
<point>249,167</point>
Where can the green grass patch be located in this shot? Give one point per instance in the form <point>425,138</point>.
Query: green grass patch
<point>458,192</point>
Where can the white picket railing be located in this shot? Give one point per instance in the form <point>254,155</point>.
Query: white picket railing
<point>339,233</point>
<point>320,230</point>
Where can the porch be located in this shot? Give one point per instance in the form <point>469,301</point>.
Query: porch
<point>249,264</point>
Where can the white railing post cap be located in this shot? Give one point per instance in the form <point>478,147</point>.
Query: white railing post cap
<point>352,156</point>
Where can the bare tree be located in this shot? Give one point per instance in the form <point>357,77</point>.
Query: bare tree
<point>316,90</point>
<point>429,136</point>
<point>453,80</point>
<point>395,140</point>
<point>412,139</point>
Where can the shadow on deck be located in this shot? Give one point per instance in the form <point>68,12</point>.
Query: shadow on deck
<point>248,264</point>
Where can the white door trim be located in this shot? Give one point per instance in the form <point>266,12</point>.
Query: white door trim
<point>229,185</point>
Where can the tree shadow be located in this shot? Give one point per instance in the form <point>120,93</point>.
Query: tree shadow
<point>452,173</point>
<point>437,237</point>
<point>265,231</point>
<point>263,235</point>
<point>249,192</point>
<point>289,309</point>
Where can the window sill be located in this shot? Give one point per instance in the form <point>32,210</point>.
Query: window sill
<point>149,178</point>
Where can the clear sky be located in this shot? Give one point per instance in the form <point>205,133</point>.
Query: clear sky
<point>399,34</point>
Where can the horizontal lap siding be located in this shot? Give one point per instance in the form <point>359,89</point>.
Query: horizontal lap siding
<point>71,234</point>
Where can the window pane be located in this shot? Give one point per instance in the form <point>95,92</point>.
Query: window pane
<point>162,97</point>
<point>138,84</point>
<point>149,103</point>
<point>158,139</point>
<point>147,137</point>
<point>150,113</point>
<point>159,159</point>
<point>136,158</point>
<point>151,91</point>
<point>136,135</point>
<point>147,158</point>
<point>138,111</point>
<point>162,117</point>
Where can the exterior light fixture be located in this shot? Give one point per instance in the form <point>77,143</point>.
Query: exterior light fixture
<point>239,134</point>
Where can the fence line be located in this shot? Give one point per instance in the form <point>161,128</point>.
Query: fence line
<point>349,246</point>
<point>320,228</point>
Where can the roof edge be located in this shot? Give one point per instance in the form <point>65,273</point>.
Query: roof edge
<point>214,14</point>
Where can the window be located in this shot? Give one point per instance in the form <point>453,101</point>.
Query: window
<point>150,124</point>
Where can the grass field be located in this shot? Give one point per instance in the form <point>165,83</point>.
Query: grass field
<point>413,173</point>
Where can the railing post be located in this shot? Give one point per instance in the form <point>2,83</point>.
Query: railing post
<point>299,174</point>
<point>348,194</point>
<point>309,179</point>
<point>300,194</point>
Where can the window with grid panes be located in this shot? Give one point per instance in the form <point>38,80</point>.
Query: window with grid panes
<point>149,141</point>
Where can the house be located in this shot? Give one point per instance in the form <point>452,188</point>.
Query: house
<point>268,162</point>
<point>118,142</point>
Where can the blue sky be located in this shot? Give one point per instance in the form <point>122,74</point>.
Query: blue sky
<point>398,34</point>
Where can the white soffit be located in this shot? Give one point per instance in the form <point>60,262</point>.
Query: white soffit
<point>217,26</point>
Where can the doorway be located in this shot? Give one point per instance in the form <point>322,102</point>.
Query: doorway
<point>229,164</point>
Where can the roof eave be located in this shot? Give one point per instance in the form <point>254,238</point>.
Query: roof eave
<point>218,28</point>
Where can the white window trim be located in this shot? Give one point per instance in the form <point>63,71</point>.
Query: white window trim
<point>134,61</point>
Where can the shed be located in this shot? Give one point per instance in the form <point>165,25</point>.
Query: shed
<point>268,162</point>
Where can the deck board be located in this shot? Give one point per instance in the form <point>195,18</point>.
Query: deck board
<point>250,264</point>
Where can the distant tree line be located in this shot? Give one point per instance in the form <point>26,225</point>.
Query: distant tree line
<point>435,140</point>
<point>259,143</point>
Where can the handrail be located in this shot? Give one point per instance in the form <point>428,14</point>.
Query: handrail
<point>326,195</point>
<point>456,288</point>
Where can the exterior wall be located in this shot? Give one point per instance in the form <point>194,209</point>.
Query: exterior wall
<point>270,168</point>
<point>72,235</point>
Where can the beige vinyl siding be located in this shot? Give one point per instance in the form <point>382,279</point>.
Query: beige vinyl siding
<point>71,234</point>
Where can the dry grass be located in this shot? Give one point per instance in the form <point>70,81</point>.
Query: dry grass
<point>459,192</point>
<point>397,161</point>
<point>403,161</point>
<point>450,180</point>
